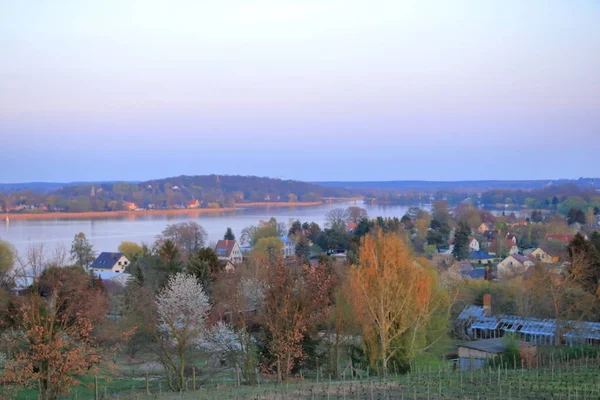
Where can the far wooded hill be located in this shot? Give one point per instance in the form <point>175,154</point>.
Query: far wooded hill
<point>201,191</point>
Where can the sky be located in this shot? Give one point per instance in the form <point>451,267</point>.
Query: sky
<point>311,90</point>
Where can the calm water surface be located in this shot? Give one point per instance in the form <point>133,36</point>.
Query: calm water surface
<point>107,234</point>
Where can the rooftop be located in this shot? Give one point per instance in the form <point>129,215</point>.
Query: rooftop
<point>106,260</point>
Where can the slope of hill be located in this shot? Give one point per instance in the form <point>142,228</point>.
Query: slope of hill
<point>459,186</point>
<point>206,191</point>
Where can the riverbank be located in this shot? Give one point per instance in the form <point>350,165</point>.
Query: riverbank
<point>280,204</point>
<point>112,214</point>
<point>129,214</point>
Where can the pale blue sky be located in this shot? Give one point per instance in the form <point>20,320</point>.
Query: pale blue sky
<point>310,89</point>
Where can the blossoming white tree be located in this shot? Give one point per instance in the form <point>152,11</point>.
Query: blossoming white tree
<point>181,309</point>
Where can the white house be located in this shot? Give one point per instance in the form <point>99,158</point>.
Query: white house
<point>113,262</point>
<point>229,250</point>
<point>289,246</point>
<point>473,244</point>
<point>513,265</point>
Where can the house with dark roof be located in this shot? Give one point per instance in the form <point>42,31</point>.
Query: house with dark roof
<point>229,251</point>
<point>480,257</point>
<point>110,262</point>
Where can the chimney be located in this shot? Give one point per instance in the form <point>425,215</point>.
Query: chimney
<point>226,242</point>
<point>487,304</point>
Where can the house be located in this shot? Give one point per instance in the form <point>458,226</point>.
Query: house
<point>490,235</point>
<point>289,246</point>
<point>546,254</point>
<point>484,227</point>
<point>120,279</point>
<point>475,354</point>
<point>480,257</point>
<point>227,265</point>
<point>461,267</point>
<point>229,250</point>
<point>517,224</point>
<point>473,244</point>
<point>511,238</point>
<point>194,204</point>
<point>513,266</point>
<point>563,238</point>
<point>110,262</point>
<point>477,273</point>
<point>129,205</point>
<point>351,226</point>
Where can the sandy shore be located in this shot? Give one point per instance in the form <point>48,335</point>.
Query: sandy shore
<point>126,214</point>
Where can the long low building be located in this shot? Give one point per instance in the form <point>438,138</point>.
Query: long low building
<point>475,323</point>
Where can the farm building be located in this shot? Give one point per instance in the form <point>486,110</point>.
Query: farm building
<point>475,323</point>
<point>475,354</point>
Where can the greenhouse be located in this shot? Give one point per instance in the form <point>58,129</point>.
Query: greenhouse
<point>473,323</point>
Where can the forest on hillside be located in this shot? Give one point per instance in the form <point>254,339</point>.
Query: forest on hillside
<point>203,191</point>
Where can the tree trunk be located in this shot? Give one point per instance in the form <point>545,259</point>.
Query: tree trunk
<point>278,369</point>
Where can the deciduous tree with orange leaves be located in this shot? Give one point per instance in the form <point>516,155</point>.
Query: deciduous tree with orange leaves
<point>391,293</point>
<point>57,318</point>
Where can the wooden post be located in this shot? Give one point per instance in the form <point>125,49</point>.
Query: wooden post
<point>194,378</point>
<point>95,387</point>
<point>147,384</point>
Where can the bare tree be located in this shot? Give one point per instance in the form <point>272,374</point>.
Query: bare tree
<point>336,219</point>
<point>189,237</point>
<point>355,214</point>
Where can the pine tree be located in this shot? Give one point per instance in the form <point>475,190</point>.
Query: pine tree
<point>461,242</point>
<point>229,234</point>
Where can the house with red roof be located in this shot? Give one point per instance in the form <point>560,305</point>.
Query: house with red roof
<point>564,238</point>
<point>229,251</point>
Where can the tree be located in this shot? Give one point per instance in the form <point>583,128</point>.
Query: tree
<point>390,294</point>
<point>7,263</point>
<point>181,307</point>
<point>205,266</point>
<point>265,229</point>
<point>269,248</point>
<point>57,318</point>
<point>131,250</point>
<point>302,249</point>
<point>292,198</point>
<point>536,216</point>
<point>407,222</point>
<point>588,267</point>
<point>82,251</point>
<point>168,253</point>
<point>336,219</point>
<point>575,215</point>
<point>292,305</point>
<point>355,214</point>
<point>229,234</point>
<point>461,242</point>
<point>189,237</point>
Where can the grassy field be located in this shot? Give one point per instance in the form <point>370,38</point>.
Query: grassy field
<point>576,380</point>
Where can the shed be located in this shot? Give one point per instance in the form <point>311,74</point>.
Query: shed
<point>473,355</point>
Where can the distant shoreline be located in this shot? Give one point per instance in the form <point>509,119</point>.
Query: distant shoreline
<point>125,214</point>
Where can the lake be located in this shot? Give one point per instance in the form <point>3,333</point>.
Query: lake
<point>107,234</point>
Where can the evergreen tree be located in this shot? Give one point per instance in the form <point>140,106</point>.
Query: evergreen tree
<point>229,234</point>
<point>461,242</point>
<point>82,251</point>
<point>576,215</point>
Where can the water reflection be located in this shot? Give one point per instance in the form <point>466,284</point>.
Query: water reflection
<point>107,233</point>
